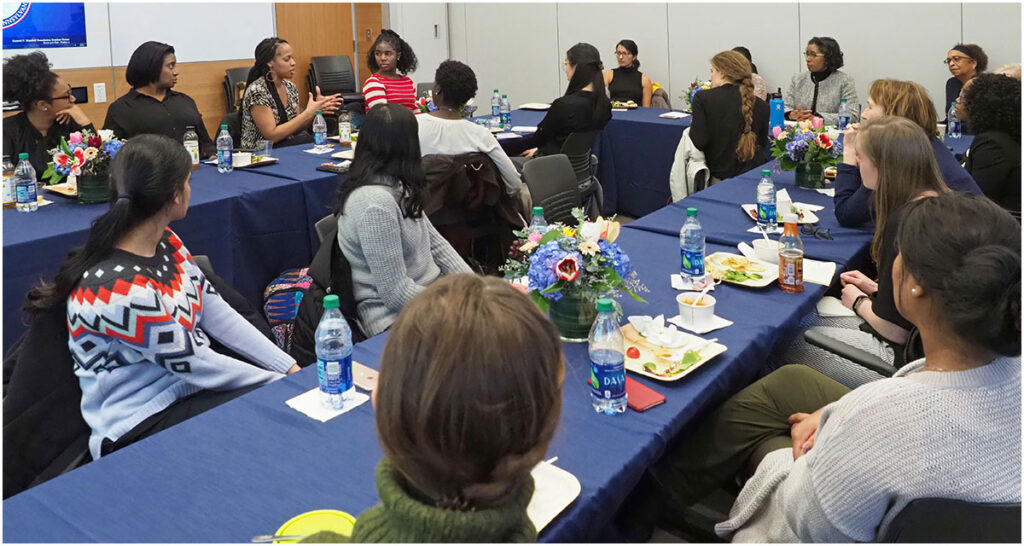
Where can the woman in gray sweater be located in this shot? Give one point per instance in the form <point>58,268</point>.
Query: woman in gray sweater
<point>391,246</point>
<point>834,465</point>
<point>818,91</point>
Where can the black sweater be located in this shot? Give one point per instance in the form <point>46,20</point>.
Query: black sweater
<point>994,162</point>
<point>20,136</point>
<point>568,114</point>
<point>717,126</point>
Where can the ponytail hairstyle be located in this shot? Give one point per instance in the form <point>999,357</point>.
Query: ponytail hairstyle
<point>906,165</point>
<point>965,250</point>
<point>630,46</point>
<point>589,70</point>
<point>145,176</point>
<point>265,52</point>
<point>470,392</point>
<point>406,61</point>
<point>735,68</point>
<point>388,153</point>
<point>28,79</point>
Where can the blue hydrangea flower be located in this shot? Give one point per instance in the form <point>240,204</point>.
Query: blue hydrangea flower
<point>542,268</point>
<point>111,147</point>
<point>620,262</point>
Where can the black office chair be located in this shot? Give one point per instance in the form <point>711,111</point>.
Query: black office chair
<point>234,122</point>
<point>553,186</point>
<point>954,521</point>
<point>424,89</point>
<point>577,147</point>
<point>232,77</point>
<point>334,74</point>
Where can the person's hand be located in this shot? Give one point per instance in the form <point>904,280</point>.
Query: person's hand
<point>293,369</point>
<point>860,280</point>
<point>327,105</point>
<point>803,430</point>
<point>75,113</point>
<point>529,153</point>
<point>850,145</point>
<point>799,114</point>
<point>850,295</point>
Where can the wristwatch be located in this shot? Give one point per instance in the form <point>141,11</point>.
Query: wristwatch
<point>857,301</point>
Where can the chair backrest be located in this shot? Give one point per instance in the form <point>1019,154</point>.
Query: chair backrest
<point>234,122</point>
<point>577,147</point>
<point>948,520</point>
<point>553,186</point>
<point>422,89</point>
<point>333,74</point>
<point>232,77</point>
<point>324,225</point>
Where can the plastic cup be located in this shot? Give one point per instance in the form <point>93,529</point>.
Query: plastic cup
<point>766,250</point>
<point>695,315</point>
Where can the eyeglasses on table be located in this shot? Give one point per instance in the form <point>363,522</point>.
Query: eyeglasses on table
<point>818,232</point>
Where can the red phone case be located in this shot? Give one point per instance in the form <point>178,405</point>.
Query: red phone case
<point>641,397</point>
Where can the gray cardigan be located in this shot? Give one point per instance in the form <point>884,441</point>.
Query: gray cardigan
<point>838,85</point>
<point>393,258</point>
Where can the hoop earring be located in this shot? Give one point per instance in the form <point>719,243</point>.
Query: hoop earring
<point>269,76</point>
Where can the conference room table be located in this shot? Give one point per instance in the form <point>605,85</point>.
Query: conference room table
<point>245,467</point>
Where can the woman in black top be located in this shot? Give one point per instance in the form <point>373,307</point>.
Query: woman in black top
<point>48,110</point>
<point>964,61</point>
<point>627,83</point>
<point>584,107</point>
<point>730,124</point>
<point>992,104</point>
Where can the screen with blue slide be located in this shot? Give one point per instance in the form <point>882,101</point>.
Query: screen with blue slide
<point>39,25</point>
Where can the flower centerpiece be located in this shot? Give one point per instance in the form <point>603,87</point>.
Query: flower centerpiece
<point>807,149</point>
<point>567,269</point>
<point>87,155</point>
<point>695,87</point>
<point>426,106</point>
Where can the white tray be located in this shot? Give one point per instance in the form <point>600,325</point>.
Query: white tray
<point>554,490</point>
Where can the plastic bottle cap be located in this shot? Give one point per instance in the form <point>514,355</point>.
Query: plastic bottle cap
<point>692,211</point>
<point>789,218</point>
<point>22,156</point>
<point>504,96</point>
<point>765,173</point>
<point>842,100</point>
<point>319,111</point>
<point>537,211</point>
<point>224,127</point>
<point>604,305</point>
<point>495,90</point>
<point>331,302</point>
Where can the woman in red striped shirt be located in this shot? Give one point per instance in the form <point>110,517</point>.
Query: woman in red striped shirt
<point>389,57</point>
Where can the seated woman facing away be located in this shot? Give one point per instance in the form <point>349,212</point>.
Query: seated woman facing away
<point>730,124</point>
<point>390,59</point>
<point>819,91</point>
<point>141,313</point>
<point>626,83</point>
<point>992,104</point>
<point>467,353</point>
<point>446,132</point>
<point>834,465</point>
<point>760,86</point>
<point>48,110</point>
<point>584,107</point>
<point>270,103</point>
<point>393,249</point>
<point>853,200</point>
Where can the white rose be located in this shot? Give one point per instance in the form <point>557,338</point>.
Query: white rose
<point>591,231</point>
<point>106,134</point>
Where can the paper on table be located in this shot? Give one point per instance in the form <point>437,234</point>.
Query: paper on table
<point>319,152</point>
<point>553,490</point>
<point>674,115</point>
<point>524,129</point>
<point>681,284</point>
<point>344,154</point>
<point>309,404</point>
<point>832,307</point>
<point>815,271</point>
<point>504,136</point>
<point>831,192</point>
<point>808,206</point>
<point>620,109</point>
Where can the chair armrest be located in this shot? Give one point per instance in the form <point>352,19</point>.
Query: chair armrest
<point>818,338</point>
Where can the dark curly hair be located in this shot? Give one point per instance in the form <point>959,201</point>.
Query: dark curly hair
<point>976,53</point>
<point>28,78</point>
<point>992,102</point>
<point>830,47</point>
<point>456,82</point>
<point>406,58</point>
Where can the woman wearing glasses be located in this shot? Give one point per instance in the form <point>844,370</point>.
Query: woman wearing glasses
<point>819,91</point>
<point>964,61</point>
<point>627,83</point>
<point>48,109</point>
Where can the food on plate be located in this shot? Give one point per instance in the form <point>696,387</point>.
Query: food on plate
<point>627,104</point>
<point>734,268</point>
<point>779,213</point>
<point>701,303</point>
<point>831,172</point>
<point>655,359</point>
<point>633,352</point>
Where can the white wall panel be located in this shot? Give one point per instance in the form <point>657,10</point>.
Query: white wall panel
<point>424,25</point>
<point>996,28</point>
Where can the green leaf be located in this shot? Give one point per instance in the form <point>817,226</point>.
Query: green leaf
<point>551,235</point>
<point>634,296</point>
<point>541,301</point>
<point>64,146</point>
<point>555,287</point>
<point>49,171</point>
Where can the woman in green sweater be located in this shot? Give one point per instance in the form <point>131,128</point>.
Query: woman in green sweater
<point>469,396</point>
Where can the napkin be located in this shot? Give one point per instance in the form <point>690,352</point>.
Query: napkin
<point>309,404</point>
<point>831,192</point>
<point>679,283</point>
<point>716,323</point>
<point>620,109</point>
<point>817,272</point>
<point>655,331</point>
<point>808,206</point>
<point>674,115</point>
<point>832,307</point>
<point>523,129</point>
<point>326,150</point>
<point>503,136</point>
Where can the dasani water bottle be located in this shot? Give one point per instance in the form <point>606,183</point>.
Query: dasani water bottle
<point>224,147</point>
<point>607,361</point>
<point>319,131</point>
<point>767,217</point>
<point>495,104</point>
<point>506,113</point>
<point>333,355</point>
<point>952,122</point>
<point>538,223</point>
<point>25,185</point>
<point>691,249</point>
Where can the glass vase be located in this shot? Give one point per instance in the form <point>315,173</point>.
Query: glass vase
<point>810,175</point>
<point>573,315</point>
<point>93,188</point>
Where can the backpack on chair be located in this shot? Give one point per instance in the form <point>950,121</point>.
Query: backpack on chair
<point>281,302</point>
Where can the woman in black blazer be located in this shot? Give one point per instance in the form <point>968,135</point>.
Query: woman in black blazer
<point>992,104</point>
<point>730,124</point>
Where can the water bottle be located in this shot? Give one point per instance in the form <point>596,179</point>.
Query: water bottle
<point>8,188</point>
<point>767,217</point>
<point>952,122</point>
<point>538,223</point>
<point>506,113</point>
<point>791,257</point>
<point>607,361</point>
<point>345,128</point>
<point>25,185</point>
<point>333,355</point>
<point>495,104</point>
<point>692,247</point>
<point>224,147</point>
<point>192,145</point>
<point>844,115</point>
<point>319,131</point>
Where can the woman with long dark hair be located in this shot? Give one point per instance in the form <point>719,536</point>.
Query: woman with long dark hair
<point>141,313</point>
<point>390,60</point>
<point>391,246</point>
<point>584,106</point>
<point>627,83</point>
<point>819,90</point>
<point>270,105</point>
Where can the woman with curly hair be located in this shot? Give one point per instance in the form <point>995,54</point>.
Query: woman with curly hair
<point>964,61</point>
<point>389,57</point>
<point>819,91</point>
<point>730,124</point>
<point>992,104</point>
<point>48,109</point>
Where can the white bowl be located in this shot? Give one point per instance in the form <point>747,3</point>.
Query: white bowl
<point>695,315</point>
<point>766,250</point>
<point>241,159</point>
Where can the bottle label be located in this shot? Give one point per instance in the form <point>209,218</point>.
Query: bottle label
<point>223,157</point>
<point>766,212</point>
<point>319,138</point>
<point>193,150</point>
<point>692,262</point>
<point>608,381</point>
<point>23,193</point>
<point>791,271</point>
<point>335,384</point>
<point>843,122</point>
<point>8,191</point>
<point>344,132</point>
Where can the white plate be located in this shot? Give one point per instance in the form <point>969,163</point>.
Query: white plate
<point>770,274</point>
<point>495,129</point>
<point>647,354</point>
<point>554,489</point>
<point>344,154</point>
<point>534,106</point>
<point>808,216</point>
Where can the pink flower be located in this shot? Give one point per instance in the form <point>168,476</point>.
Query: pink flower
<point>535,236</point>
<point>567,269</point>
<point>75,138</point>
<point>817,122</point>
<point>776,131</point>
<point>824,142</point>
